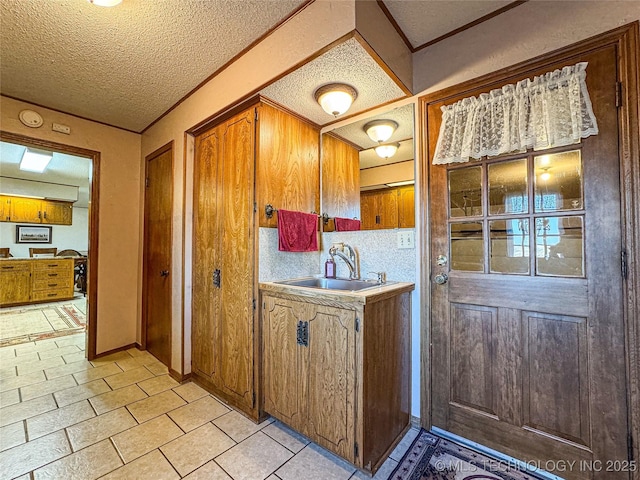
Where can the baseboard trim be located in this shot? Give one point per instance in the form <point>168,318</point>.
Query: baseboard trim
<point>416,422</point>
<point>179,377</point>
<point>116,350</point>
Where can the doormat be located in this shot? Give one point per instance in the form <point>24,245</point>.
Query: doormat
<point>433,458</point>
<point>33,324</point>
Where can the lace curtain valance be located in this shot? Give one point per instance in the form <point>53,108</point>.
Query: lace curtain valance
<point>551,110</point>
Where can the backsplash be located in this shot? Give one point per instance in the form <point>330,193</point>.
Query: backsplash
<point>276,265</point>
<point>377,251</point>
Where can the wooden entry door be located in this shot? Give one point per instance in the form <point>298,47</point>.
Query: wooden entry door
<point>157,254</point>
<point>527,331</point>
<point>223,313</point>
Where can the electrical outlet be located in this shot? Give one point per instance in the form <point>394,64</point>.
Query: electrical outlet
<point>406,239</point>
<point>58,127</point>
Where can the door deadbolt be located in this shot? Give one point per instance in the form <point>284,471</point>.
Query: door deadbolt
<point>442,260</point>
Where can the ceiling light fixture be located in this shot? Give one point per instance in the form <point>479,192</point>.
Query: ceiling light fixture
<point>400,184</point>
<point>335,98</point>
<point>106,3</point>
<point>387,151</point>
<point>35,160</point>
<point>380,130</point>
<point>545,175</point>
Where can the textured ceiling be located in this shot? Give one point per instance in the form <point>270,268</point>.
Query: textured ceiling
<point>63,169</point>
<point>126,65</point>
<point>348,63</point>
<point>425,20</point>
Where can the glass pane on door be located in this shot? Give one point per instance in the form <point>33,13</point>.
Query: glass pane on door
<point>467,246</point>
<point>465,192</point>
<point>560,246</point>
<point>509,246</point>
<point>558,182</point>
<point>508,188</point>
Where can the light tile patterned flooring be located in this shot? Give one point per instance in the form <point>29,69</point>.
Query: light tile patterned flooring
<point>123,417</point>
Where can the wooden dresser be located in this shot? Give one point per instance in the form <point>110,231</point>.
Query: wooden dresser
<point>35,280</point>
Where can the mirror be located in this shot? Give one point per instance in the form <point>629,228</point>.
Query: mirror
<point>358,183</point>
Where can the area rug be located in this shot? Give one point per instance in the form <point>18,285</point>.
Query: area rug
<point>433,458</point>
<point>32,324</point>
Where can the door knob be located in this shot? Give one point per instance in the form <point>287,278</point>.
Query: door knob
<point>164,273</point>
<point>441,278</point>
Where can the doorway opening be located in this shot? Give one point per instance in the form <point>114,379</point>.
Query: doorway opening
<point>48,236</point>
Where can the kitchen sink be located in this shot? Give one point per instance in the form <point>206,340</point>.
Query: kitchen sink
<point>331,283</point>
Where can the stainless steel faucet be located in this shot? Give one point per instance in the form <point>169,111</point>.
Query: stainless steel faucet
<point>350,258</point>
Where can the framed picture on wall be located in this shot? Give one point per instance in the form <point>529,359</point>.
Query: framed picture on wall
<point>31,234</point>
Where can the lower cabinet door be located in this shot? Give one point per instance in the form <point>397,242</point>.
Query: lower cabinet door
<point>15,281</point>
<point>309,371</point>
<point>282,361</point>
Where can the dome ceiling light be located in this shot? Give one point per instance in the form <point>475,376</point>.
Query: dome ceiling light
<point>380,130</point>
<point>387,151</point>
<point>106,3</point>
<point>335,98</point>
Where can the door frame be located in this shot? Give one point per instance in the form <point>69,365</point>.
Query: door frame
<point>627,40</point>
<point>143,327</point>
<point>94,207</point>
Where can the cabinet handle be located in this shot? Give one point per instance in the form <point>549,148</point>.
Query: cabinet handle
<point>45,214</point>
<point>52,285</point>
<point>302,333</point>
<point>53,274</point>
<point>5,267</point>
<point>217,278</point>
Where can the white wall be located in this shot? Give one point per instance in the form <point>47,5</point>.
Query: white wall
<point>524,32</point>
<point>63,237</point>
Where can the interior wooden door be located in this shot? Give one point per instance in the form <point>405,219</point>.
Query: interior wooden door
<point>527,334</point>
<point>157,254</point>
<point>223,259</point>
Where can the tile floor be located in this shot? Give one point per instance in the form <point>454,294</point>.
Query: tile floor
<point>123,417</point>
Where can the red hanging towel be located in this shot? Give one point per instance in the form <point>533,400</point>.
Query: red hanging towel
<point>346,224</point>
<point>297,231</point>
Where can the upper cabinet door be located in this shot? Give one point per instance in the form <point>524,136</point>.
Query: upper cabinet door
<point>27,210</point>
<point>288,163</point>
<point>57,213</point>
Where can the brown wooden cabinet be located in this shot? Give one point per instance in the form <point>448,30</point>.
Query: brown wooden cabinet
<point>235,172</point>
<point>406,207</point>
<point>388,208</point>
<point>15,282</point>
<point>57,213</point>
<point>379,209</point>
<point>336,367</point>
<point>34,210</point>
<point>36,280</point>
<point>340,180</point>
<point>309,371</point>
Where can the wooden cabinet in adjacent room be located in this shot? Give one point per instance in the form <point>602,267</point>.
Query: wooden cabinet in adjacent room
<point>15,279</point>
<point>35,280</point>
<point>34,210</point>
<point>232,181</point>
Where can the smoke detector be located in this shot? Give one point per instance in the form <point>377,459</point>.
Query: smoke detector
<point>30,118</point>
